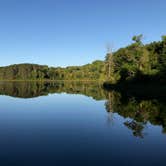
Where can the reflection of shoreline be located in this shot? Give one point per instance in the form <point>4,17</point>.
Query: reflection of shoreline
<point>32,89</point>
<point>139,111</point>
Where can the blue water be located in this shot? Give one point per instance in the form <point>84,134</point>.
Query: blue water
<point>73,129</point>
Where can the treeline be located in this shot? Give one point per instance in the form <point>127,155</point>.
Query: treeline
<point>138,62</point>
<point>93,71</point>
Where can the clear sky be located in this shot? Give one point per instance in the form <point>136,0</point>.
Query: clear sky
<point>74,32</point>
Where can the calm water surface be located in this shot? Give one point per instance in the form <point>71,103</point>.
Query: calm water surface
<point>78,124</point>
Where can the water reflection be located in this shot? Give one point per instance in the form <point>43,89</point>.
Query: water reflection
<point>137,113</point>
<point>34,89</point>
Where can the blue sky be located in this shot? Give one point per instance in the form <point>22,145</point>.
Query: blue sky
<point>74,32</point>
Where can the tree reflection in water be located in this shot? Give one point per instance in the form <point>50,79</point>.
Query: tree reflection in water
<point>137,111</point>
<point>140,112</point>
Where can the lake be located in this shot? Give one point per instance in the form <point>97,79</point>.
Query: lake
<point>76,123</point>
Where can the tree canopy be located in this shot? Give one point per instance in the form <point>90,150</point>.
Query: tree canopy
<point>93,71</point>
<point>140,61</point>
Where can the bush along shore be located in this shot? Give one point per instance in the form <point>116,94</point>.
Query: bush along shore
<point>138,69</point>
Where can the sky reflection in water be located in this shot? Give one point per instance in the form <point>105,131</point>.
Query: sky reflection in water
<point>60,128</point>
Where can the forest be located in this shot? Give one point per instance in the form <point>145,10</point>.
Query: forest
<point>93,71</point>
<point>137,62</point>
<point>134,64</point>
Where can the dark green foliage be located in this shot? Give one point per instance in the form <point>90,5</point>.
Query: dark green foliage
<point>136,62</point>
<point>92,71</point>
<point>139,62</point>
<point>138,39</point>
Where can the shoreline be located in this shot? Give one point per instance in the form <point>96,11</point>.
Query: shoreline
<point>139,90</point>
<point>51,81</point>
